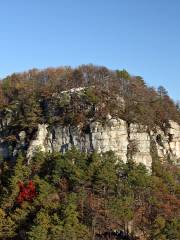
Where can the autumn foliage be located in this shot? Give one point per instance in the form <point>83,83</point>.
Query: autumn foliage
<point>41,97</point>
<point>88,196</point>
<point>26,192</point>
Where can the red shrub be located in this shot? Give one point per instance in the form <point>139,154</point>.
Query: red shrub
<point>26,193</point>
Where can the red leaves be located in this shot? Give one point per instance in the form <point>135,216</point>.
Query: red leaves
<point>26,193</point>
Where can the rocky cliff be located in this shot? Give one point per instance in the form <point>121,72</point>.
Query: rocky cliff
<point>126,141</point>
<point>90,108</point>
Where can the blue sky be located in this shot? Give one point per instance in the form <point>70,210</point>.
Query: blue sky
<point>141,36</point>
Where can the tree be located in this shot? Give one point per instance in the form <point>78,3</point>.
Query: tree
<point>72,228</point>
<point>20,172</point>
<point>42,223</point>
<point>105,176</point>
<point>7,226</point>
<point>162,91</point>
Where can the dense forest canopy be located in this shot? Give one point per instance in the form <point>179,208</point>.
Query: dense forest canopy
<point>88,196</point>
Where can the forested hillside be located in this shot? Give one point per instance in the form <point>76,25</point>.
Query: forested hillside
<point>88,196</point>
<point>84,195</point>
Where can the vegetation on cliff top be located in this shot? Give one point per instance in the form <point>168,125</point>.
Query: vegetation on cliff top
<point>37,96</point>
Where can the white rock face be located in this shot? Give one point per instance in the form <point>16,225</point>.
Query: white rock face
<point>39,142</point>
<point>115,135</point>
<point>175,142</point>
<point>139,135</point>
<point>169,145</point>
<point>112,137</point>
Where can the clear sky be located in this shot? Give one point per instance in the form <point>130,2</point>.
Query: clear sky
<point>141,36</point>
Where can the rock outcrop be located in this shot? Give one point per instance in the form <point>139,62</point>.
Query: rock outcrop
<point>115,135</point>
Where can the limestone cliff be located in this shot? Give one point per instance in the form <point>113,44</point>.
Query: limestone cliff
<point>115,135</point>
